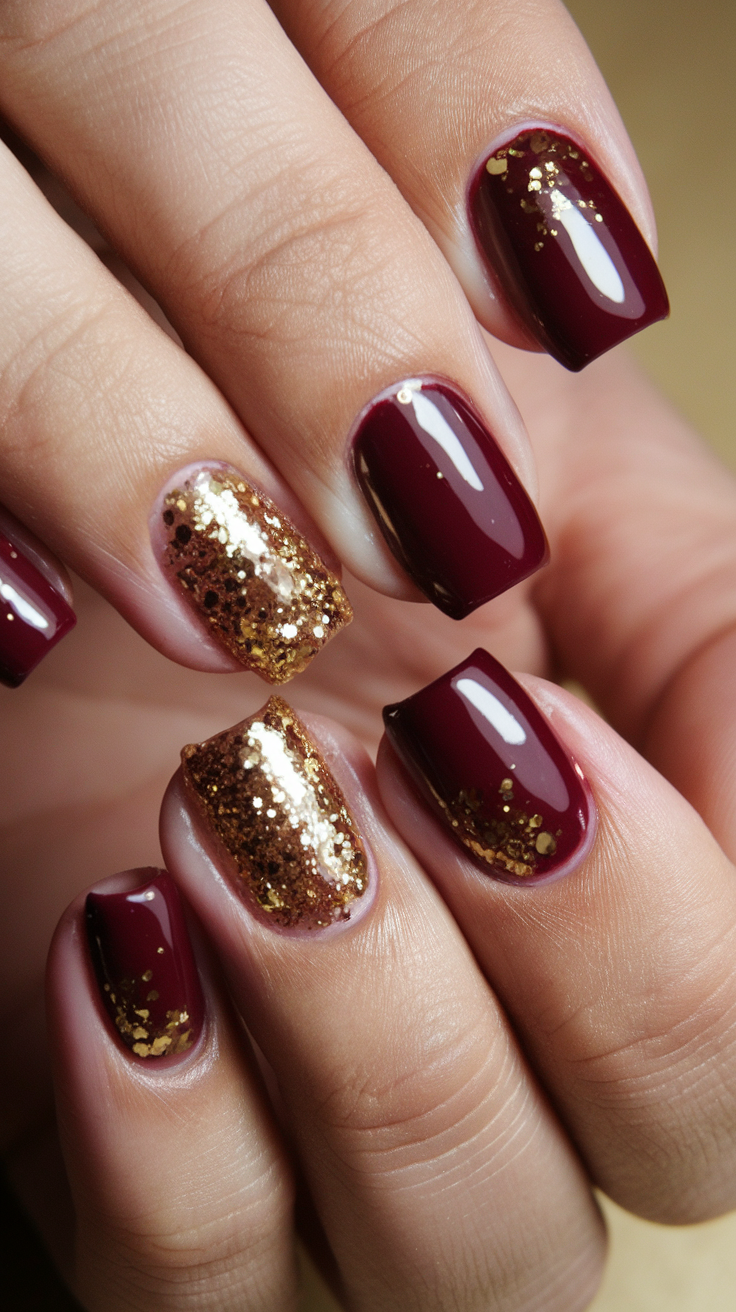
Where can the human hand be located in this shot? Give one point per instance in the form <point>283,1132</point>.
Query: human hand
<point>615,980</point>
<point>408,672</point>
<point>297,275</point>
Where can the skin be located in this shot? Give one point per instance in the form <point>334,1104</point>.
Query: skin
<point>498,1048</point>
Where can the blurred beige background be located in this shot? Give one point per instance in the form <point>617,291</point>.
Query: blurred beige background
<point>670,65</point>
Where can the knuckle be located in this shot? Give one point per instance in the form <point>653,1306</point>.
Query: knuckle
<point>68,362</point>
<point>424,1098</point>
<point>316,261</point>
<point>224,1249</point>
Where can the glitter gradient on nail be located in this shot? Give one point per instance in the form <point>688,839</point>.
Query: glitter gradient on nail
<point>263,592</point>
<point>145,968</point>
<point>278,812</point>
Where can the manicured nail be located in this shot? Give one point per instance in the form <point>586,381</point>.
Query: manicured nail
<point>145,967</point>
<point>566,250</point>
<point>262,591</point>
<point>33,615</point>
<point>491,768</point>
<point>445,497</point>
<point>276,811</point>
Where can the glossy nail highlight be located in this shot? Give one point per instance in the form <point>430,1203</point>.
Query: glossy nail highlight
<point>446,499</point>
<point>262,591</point>
<point>564,247</point>
<point>489,765</point>
<point>33,615</point>
<point>145,967</point>
<point>275,809</point>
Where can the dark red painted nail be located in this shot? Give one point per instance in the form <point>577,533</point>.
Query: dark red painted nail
<point>488,764</point>
<point>145,966</point>
<point>446,499</point>
<point>566,250</point>
<point>33,615</point>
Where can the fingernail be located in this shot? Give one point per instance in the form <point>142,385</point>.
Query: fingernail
<point>277,812</point>
<point>489,765</point>
<point>566,250</point>
<point>145,967</point>
<point>445,497</point>
<point>249,575</point>
<point>33,615</point>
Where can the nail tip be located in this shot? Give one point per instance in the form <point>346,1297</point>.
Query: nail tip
<point>576,363</point>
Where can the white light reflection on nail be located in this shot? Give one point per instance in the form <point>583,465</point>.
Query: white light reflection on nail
<point>589,249</point>
<point>433,423</point>
<point>492,710</point>
<point>23,607</point>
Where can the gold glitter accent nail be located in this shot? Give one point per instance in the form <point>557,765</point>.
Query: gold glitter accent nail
<point>264,594</point>
<point>276,809</point>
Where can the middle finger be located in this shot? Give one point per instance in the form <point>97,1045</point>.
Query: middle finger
<point>293,270</point>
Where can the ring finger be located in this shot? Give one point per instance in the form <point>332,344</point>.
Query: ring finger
<point>439,1173</point>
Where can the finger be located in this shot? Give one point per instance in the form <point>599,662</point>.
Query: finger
<point>181,1192</point>
<point>100,410</point>
<point>295,273</point>
<point>496,124</point>
<point>619,977</point>
<point>438,1173</point>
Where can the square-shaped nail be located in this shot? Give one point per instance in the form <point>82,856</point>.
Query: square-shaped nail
<point>247,572</point>
<point>145,967</point>
<point>33,615</point>
<point>564,247</point>
<point>275,810</point>
<point>489,765</point>
<point>445,497</point>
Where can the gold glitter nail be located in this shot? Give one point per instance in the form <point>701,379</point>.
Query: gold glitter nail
<point>264,593</point>
<point>280,815</point>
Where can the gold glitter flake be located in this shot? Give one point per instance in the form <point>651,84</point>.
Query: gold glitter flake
<point>297,852</point>
<point>546,186</point>
<point>265,595</point>
<point>501,834</point>
<point>144,1040</point>
<point>539,142</point>
<point>495,165</point>
<point>545,844</point>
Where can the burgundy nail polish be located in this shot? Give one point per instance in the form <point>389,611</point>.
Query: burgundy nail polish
<point>566,250</point>
<point>145,967</point>
<point>446,499</point>
<point>33,615</point>
<point>489,765</point>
